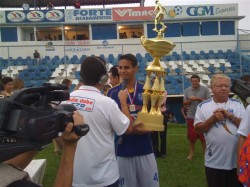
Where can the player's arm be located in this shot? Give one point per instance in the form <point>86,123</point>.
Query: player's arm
<point>132,128</point>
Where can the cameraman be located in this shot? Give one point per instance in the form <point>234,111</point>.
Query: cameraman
<point>11,171</point>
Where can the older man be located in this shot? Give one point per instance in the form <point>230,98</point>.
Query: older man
<point>218,118</point>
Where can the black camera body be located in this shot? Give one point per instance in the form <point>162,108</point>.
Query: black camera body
<point>29,120</point>
<point>242,89</point>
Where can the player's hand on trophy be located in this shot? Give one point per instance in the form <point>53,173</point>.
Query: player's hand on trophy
<point>139,129</point>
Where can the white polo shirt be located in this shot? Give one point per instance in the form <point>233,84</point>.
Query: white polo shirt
<point>220,144</point>
<point>95,162</point>
<point>244,128</point>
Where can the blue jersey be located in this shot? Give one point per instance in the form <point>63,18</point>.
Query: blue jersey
<point>132,145</point>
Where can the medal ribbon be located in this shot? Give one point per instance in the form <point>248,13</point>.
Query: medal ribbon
<point>132,99</point>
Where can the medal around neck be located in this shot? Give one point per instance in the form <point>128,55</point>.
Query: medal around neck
<point>156,47</point>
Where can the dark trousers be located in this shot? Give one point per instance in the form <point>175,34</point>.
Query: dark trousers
<point>222,178</point>
<point>113,185</point>
<point>163,141</point>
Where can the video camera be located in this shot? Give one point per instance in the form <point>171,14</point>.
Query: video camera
<point>28,120</point>
<point>242,89</point>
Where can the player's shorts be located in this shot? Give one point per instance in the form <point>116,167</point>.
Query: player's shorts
<point>192,136</point>
<point>138,171</point>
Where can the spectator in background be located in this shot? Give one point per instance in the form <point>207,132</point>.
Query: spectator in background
<point>49,37</point>
<point>192,97</point>
<point>219,118</point>
<point>105,89</point>
<point>77,4</point>
<point>171,117</point>
<point>123,35</point>
<point>114,77</point>
<point>50,6</point>
<point>37,57</point>
<point>67,83</point>
<point>134,35</point>
<point>8,87</point>
<point>18,84</point>
<point>85,37</point>
<point>245,78</point>
<point>25,6</point>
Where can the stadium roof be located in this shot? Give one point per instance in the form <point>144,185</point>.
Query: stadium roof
<point>65,3</point>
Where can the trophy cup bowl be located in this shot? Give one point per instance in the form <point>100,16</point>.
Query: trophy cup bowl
<point>157,47</point>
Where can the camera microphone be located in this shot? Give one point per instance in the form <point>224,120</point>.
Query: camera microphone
<point>124,84</point>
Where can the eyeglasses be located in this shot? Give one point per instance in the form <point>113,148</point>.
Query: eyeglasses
<point>221,86</point>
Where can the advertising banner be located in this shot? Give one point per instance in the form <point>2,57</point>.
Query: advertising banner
<point>88,15</point>
<point>176,12</point>
<point>35,16</point>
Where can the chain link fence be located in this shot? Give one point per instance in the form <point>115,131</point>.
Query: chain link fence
<point>58,62</point>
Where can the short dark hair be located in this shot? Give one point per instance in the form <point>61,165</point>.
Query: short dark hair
<point>195,77</point>
<point>91,70</point>
<point>130,58</point>
<point>66,82</point>
<point>114,71</point>
<point>245,78</point>
<point>6,80</point>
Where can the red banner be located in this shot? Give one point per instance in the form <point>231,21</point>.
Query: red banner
<point>133,13</point>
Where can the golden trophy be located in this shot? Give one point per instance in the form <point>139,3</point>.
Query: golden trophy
<point>156,47</point>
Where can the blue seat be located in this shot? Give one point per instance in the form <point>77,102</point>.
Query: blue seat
<point>192,53</point>
<point>202,52</point>
<point>77,75</point>
<point>148,57</point>
<point>102,57</point>
<point>119,56</point>
<point>211,69</point>
<point>223,68</point>
<point>174,53</point>
<point>178,71</point>
<point>167,58</point>
<point>220,51</point>
<point>138,57</point>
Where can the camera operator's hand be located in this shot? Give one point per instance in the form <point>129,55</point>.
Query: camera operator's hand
<point>65,172</point>
<point>69,137</point>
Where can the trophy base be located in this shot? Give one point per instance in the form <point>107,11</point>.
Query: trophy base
<point>151,122</point>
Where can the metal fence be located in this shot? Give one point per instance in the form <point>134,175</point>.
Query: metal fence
<point>63,61</point>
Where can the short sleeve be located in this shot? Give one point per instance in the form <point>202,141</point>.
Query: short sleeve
<point>118,120</point>
<point>199,116</point>
<point>244,128</point>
